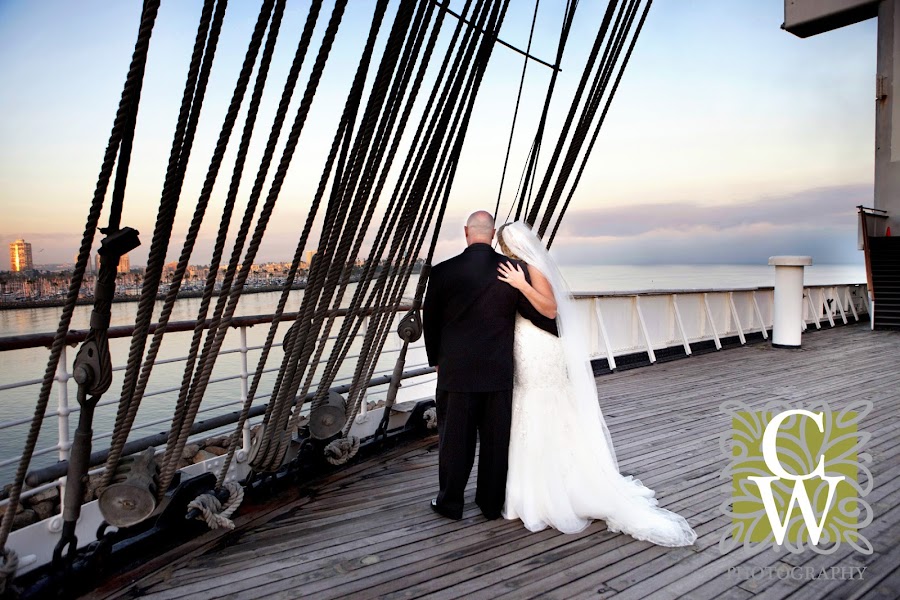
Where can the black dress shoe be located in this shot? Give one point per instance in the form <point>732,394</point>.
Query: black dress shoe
<point>444,512</point>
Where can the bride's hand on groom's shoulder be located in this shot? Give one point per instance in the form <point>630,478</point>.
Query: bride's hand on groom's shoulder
<point>512,274</point>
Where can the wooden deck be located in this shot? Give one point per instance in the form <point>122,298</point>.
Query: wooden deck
<point>368,532</point>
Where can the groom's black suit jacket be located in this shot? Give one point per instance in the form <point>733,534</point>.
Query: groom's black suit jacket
<point>469,319</point>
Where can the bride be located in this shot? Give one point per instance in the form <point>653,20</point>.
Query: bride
<point>562,467</point>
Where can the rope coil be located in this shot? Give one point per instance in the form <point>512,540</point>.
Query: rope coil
<point>430,417</point>
<point>8,567</point>
<point>213,512</point>
<point>342,450</point>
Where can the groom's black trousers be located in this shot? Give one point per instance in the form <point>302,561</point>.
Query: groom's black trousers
<point>463,418</point>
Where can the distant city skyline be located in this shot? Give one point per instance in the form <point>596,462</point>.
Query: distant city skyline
<point>730,140</point>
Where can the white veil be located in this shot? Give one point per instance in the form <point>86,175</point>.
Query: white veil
<point>521,241</point>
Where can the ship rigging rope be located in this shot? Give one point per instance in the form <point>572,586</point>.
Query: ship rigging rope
<point>213,511</point>
<point>592,57</point>
<point>442,183</point>
<point>394,98</point>
<point>614,45</point>
<point>124,118</point>
<point>600,123</point>
<point>189,116</point>
<point>335,21</point>
<point>341,220</point>
<point>512,129</point>
<point>178,421</point>
<point>216,336</point>
<point>325,274</point>
<point>531,166</point>
<point>206,192</point>
<point>598,89</point>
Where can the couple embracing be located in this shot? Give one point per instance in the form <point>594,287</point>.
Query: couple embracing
<point>514,375</point>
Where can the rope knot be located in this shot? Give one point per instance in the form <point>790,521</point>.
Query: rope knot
<point>8,566</point>
<point>211,509</point>
<point>430,416</point>
<point>341,450</point>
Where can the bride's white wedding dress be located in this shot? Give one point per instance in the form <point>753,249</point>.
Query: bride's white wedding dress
<point>562,466</point>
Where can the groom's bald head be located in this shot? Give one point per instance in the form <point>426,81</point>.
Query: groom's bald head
<point>479,228</point>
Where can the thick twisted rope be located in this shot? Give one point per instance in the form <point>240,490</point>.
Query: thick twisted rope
<point>527,185</point>
<point>352,322</point>
<point>610,56</point>
<point>192,371</point>
<point>512,129</point>
<point>341,450</point>
<point>199,388</point>
<point>211,509</point>
<point>8,567</point>
<point>382,136</point>
<point>460,125</point>
<point>609,99</point>
<point>127,103</point>
<point>192,100</point>
<point>295,343</point>
<point>395,206</point>
<point>206,192</point>
<point>405,68</point>
<point>592,57</point>
<point>430,417</point>
<point>338,235</point>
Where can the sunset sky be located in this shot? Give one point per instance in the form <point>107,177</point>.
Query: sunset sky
<point>729,141</point>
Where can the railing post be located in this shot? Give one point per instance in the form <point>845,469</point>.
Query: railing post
<point>246,438</point>
<point>364,403</point>
<point>610,359</point>
<point>684,337</point>
<point>762,324</point>
<point>63,411</point>
<point>637,306</point>
<point>849,300</point>
<point>812,308</point>
<point>737,319</point>
<point>712,323</point>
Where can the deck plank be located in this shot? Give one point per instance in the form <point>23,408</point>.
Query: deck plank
<point>366,531</point>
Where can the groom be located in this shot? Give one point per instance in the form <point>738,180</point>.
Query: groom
<point>469,318</point>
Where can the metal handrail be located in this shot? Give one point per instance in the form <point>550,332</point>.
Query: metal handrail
<point>867,252</point>
<point>74,336</point>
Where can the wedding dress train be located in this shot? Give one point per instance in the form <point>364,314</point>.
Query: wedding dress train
<point>563,471</point>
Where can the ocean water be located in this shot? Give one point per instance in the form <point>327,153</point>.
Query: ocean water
<point>17,404</point>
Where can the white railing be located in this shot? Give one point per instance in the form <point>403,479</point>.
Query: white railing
<point>646,322</point>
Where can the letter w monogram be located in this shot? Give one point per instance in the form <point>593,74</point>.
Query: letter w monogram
<point>799,495</point>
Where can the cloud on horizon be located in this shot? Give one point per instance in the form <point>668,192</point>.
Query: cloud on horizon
<point>818,222</point>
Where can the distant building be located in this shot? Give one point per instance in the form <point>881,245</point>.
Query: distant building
<point>20,257</point>
<point>124,265</point>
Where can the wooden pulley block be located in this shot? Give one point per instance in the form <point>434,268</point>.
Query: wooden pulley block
<point>131,497</point>
<point>327,420</point>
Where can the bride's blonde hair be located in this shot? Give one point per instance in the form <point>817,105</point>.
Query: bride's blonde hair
<point>503,247</point>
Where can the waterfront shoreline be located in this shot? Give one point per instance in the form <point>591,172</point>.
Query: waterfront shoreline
<point>58,302</point>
